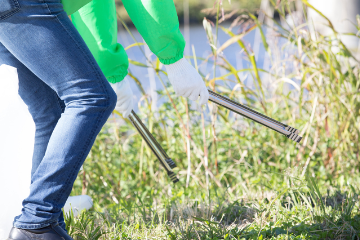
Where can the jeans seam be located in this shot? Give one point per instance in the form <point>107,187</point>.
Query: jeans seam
<point>17,9</point>
<point>47,6</point>
<point>58,102</point>
<point>98,118</point>
<point>37,225</point>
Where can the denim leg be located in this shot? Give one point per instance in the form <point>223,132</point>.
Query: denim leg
<point>43,39</point>
<point>43,104</point>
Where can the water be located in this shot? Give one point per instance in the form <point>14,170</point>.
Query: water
<point>199,40</point>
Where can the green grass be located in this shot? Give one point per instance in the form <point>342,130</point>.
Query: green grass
<point>258,184</point>
<point>292,212</point>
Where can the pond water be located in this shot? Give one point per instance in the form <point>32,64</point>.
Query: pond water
<point>198,39</point>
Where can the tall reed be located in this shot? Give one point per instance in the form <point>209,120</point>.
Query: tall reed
<point>314,89</point>
<point>308,81</point>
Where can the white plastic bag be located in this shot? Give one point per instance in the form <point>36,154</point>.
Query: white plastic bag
<point>17,131</point>
<point>77,204</point>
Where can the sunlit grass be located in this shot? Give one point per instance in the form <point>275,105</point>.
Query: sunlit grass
<point>260,185</point>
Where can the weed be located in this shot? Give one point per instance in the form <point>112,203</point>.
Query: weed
<point>245,181</point>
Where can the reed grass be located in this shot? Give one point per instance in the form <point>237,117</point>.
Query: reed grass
<point>245,181</point>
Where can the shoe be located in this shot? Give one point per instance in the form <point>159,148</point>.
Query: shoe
<point>52,232</point>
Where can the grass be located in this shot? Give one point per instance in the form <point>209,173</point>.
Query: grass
<point>243,181</point>
<point>297,212</point>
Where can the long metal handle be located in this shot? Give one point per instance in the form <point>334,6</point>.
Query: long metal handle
<point>156,148</point>
<point>284,129</point>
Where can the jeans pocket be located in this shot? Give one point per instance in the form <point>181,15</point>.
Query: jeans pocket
<point>8,8</point>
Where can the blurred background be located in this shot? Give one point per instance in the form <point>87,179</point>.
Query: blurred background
<point>194,11</point>
<point>234,16</point>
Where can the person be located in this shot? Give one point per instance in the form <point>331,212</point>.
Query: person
<point>158,24</point>
<point>71,90</point>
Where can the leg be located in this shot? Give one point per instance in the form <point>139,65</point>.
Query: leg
<point>44,106</point>
<point>57,55</point>
<point>42,102</point>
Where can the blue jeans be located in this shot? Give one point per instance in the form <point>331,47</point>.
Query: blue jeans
<point>66,93</point>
